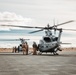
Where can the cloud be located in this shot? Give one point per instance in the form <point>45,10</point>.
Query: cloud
<point>11,17</point>
<point>8,18</point>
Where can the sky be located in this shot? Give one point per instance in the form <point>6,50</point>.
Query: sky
<point>40,13</point>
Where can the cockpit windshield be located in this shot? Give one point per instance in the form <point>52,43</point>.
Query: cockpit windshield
<point>47,39</point>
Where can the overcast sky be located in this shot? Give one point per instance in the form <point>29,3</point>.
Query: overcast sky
<point>42,11</point>
<point>39,12</point>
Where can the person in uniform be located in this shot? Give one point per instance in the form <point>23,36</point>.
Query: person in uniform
<point>35,48</point>
<point>14,49</point>
<point>25,48</point>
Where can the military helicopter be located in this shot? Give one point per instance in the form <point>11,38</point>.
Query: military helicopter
<point>49,42</point>
<point>22,40</point>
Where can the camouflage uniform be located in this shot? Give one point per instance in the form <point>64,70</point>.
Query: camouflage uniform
<point>35,48</point>
<point>25,48</point>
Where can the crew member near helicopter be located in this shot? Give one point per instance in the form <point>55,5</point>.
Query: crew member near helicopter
<point>35,48</point>
<point>25,48</point>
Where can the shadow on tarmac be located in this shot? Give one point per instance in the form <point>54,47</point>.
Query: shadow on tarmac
<point>21,54</point>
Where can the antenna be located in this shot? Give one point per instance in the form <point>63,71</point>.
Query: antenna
<point>54,27</point>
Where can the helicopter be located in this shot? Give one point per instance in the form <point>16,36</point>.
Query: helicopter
<point>22,40</point>
<point>19,47</point>
<point>49,42</point>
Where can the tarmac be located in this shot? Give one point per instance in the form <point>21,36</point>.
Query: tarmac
<point>45,64</point>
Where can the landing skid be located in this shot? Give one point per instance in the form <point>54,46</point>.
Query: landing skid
<point>55,53</point>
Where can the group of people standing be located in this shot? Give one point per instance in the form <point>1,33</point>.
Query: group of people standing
<point>25,48</point>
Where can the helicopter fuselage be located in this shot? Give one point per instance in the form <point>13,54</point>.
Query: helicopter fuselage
<point>48,44</point>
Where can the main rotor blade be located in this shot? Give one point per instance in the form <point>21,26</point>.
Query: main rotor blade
<point>69,29</point>
<point>9,40</point>
<point>39,27</point>
<point>63,23</point>
<point>22,26</point>
<point>36,31</point>
<point>12,39</point>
